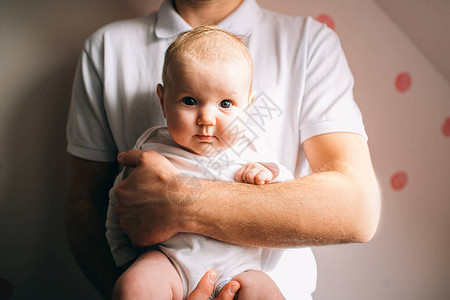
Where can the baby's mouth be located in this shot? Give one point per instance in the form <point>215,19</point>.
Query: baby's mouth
<point>205,137</point>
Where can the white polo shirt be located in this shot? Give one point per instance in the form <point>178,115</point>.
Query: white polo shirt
<point>301,75</point>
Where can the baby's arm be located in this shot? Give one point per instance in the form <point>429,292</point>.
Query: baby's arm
<point>257,173</point>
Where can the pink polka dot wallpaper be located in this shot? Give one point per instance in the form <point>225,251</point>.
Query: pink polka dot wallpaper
<point>446,127</point>
<point>405,102</point>
<point>403,82</point>
<point>327,20</point>
<point>399,180</point>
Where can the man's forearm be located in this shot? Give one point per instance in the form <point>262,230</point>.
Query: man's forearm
<point>338,203</point>
<point>85,221</point>
<point>86,234</point>
<point>320,209</point>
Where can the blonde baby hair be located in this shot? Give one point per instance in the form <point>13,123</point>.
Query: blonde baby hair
<point>205,43</point>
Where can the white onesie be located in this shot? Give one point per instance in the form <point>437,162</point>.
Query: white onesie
<point>193,254</point>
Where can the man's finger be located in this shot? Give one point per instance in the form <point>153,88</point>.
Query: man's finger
<point>205,287</point>
<point>134,158</point>
<point>129,159</point>
<point>229,291</point>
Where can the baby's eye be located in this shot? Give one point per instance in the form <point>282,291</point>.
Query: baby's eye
<point>226,104</point>
<point>189,101</point>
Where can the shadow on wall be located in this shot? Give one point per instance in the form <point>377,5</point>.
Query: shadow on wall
<point>38,256</point>
<point>43,46</point>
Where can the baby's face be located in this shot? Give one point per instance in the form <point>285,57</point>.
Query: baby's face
<point>202,100</point>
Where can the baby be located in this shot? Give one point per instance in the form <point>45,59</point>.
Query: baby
<point>206,91</point>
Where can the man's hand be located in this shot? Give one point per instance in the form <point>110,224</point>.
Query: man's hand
<point>205,288</point>
<point>148,212</point>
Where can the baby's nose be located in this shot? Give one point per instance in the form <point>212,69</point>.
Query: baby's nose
<point>206,117</point>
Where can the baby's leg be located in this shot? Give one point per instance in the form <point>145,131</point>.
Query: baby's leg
<point>257,285</point>
<point>151,276</point>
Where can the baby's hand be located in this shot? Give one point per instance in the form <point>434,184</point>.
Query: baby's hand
<point>254,173</point>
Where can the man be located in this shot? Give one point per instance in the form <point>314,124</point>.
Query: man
<point>304,110</point>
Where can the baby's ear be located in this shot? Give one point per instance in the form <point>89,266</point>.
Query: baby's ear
<point>160,92</point>
<point>252,97</point>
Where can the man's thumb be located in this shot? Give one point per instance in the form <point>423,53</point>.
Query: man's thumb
<point>205,286</point>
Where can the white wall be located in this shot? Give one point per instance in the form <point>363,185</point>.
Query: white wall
<point>408,259</point>
<point>409,256</point>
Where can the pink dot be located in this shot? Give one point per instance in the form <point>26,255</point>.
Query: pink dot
<point>403,82</point>
<point>446,127</point>
<point>399,180</point>
<point>326,19</point>
<point>6,289</point>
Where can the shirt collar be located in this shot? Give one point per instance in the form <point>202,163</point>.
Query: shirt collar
<point>170,24</point>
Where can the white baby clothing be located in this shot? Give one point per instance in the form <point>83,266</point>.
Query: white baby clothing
<point>192,254</point>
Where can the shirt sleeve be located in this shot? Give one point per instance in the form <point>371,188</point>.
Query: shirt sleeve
<point>88,132</point>
<point>328,104</point>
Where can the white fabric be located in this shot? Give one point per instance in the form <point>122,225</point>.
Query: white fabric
<point>300,72</point>
<point>193,255</point>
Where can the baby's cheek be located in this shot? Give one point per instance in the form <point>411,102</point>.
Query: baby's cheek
<point>232,127</point>
<point>232,135</point>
